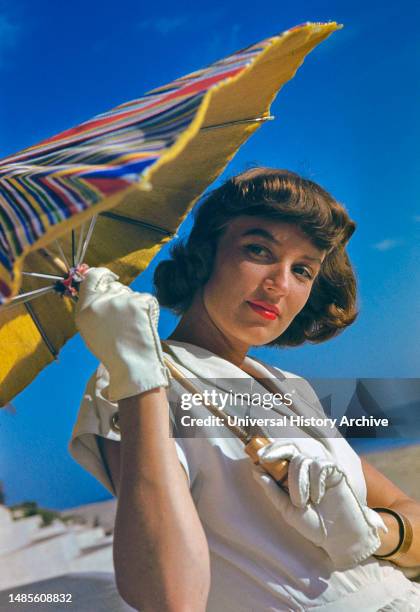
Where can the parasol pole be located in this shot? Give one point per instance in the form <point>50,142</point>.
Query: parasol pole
<point>277,470</point>
<point>187,384</point>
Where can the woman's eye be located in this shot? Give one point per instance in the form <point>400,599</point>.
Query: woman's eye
<point>257,250</point>
<point>305,272</point>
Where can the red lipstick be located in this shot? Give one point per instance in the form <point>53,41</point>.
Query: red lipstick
<point>265,310</point>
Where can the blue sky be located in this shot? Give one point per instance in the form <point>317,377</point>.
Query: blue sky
<point>348,120</point>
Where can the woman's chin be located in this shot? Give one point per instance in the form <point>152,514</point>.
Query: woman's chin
<point>259,336</point>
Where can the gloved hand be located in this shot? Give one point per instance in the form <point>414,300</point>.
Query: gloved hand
<point>119,326</point>
<point>322,505</point>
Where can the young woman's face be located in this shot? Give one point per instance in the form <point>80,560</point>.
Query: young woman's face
<point>262,278</point>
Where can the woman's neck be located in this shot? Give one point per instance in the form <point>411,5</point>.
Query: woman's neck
<point>197,327</point>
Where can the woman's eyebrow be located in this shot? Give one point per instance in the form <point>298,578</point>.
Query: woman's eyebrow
<point>258,231</point>
<point>316,259</point>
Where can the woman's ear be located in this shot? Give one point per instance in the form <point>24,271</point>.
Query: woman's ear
<point>202,263</point>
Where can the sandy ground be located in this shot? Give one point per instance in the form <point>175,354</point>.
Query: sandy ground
<point>102,513</point>
<point>402,466</point>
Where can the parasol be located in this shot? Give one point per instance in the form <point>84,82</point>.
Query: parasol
<point>114,189</point>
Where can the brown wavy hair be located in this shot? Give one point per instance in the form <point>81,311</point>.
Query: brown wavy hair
<point>284,196</point>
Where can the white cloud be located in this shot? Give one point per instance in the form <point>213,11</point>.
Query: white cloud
<point>416,218</point>
<point>234,34</point>
<point>387,244</point>
<point>164,25</point>
<point>9,34</point>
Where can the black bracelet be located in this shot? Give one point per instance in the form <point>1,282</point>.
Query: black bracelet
<point>401,528</point>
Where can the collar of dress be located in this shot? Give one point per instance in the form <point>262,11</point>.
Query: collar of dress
<point>209,369</point>
<point>203,364</point>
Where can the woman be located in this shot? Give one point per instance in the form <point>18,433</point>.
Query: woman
<point>199,526</point>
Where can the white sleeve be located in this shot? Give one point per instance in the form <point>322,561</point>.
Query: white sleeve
<point>95,418</point>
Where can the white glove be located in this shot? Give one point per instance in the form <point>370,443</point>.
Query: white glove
<point>120,327</point>
<point>322,505</point>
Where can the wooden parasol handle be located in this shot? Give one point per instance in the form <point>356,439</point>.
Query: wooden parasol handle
<point>277,469</point>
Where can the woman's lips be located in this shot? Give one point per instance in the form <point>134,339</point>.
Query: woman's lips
<point>264,310</point>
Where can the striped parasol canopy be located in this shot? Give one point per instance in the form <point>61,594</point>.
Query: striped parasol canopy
<point>111,191</point>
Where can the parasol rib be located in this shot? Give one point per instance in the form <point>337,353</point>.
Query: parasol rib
<point>39,275</point>
<point>73,248</point>
<point>41,330</point>
<point>63,257</point>
<point>122,218</point>
<point>53,259</point>
<point>80,245</point>
<point>216,126</point>
<point>26,297</point>
<point>87,240</point>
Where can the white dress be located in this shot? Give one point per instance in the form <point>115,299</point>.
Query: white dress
<point>258,563</point>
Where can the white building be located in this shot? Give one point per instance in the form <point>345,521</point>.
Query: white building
<point>72,558</point>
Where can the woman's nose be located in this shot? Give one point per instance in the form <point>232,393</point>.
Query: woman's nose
<point>278,280</point>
